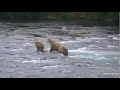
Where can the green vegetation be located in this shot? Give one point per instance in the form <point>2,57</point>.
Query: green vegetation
<point>111,18</point>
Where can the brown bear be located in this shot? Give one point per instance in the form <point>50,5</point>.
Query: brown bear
<point>56,46</point>
<point>39,45</point>
<point>63,50</point>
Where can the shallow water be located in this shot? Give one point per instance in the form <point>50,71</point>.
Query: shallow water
<point>93,51</point>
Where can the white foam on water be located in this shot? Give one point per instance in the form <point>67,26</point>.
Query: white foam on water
<point>101,58</point>
<point>40,61</point>
<point>73,50</point>
<point>66,71</point>
<point>75,56</point>
<point>115,38</point>
<point>78,50</point>
<point>110,36</point>
<point>87,39</point>
<point>84,53</point>
<point>77,41</point>
<point>20,49</point>
<point>97,57</point>
<point>17,60</point>
<point>51,67</point>
<point>69,41</point>
<point>111,73</point>
<point>85,50</point>
<point>89,57</point>
<point>98,38</point>
<point>31,61</point>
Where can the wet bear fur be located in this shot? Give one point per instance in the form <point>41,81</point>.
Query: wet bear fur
<point>63,50</point>
<point>39,45</point>
<point>56,46</point>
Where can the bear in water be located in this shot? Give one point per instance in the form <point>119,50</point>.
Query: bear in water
<point>63,50</point>
<point>56,46</point>
<point>39,45</point>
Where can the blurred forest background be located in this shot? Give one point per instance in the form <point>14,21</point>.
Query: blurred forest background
<point>101,18</point>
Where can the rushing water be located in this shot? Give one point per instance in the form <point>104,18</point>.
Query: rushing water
<point>93,51</point>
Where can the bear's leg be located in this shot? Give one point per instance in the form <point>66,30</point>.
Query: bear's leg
<point>51,50</point>
<point>38,49</point>
<point>41,50</point>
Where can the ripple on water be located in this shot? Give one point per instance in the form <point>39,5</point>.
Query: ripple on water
<point>90,54</point>
<point>31,61</point>
<point>115,37</point>
<point>54,66</point>
<point>6,70</point>
<point>17,50</point>
<point>110,46</point>
<point>28,45</point>
<point>51,67</point>
<point>17,60</point>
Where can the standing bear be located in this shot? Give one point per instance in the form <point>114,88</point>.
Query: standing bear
<point>56,46</point>
<point>39,45</point>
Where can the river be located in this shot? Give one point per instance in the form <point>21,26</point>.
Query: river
<point>93,51</point>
